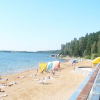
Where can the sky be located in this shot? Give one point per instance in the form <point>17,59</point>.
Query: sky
<point>39,25</point>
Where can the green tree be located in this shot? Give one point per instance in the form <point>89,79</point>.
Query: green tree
<point>98,46</point>
<point>87,46</point>
<point>62,48</point>
<point>76,48</point>
<point>94,48</point>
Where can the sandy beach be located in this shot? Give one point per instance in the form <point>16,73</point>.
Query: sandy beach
<point>60,87</point>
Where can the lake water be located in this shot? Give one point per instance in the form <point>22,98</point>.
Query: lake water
<point>11,63</point>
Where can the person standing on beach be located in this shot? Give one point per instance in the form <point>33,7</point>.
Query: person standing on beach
<point>37,70</point>
<point>73,66</point>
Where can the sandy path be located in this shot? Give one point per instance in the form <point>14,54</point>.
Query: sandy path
<point>64,84</point>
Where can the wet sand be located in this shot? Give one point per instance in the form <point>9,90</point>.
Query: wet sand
<point>64,84</point>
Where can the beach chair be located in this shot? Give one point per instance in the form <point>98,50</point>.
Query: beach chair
<point>42,81</point>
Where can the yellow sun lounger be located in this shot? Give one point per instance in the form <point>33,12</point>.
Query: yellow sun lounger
<point>95,62</point>
<point>43,66</point>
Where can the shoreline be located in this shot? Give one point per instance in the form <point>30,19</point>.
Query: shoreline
<point>30,69</point>
<point>63,84</point>
<point>12,63</point>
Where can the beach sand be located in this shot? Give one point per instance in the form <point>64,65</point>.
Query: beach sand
<point>64,84</point>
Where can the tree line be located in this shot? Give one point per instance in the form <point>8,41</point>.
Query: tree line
<point>87,47</point>
<point>50,51</point>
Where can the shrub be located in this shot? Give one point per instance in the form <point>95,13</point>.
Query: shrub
<point>93,56</point>
<point>87,57</point>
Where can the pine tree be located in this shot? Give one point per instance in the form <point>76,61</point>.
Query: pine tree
<point>94,48</point>
<point>98,46</point>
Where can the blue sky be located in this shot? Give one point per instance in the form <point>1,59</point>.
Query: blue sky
<point>33,25</point>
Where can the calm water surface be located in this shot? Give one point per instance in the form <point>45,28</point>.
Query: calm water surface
<point>11,63</point>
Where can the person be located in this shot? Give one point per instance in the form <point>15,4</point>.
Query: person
<point>42,71</point>
<point>52,73</point>
<point>37,70</point>
<point>35,75</point>
<point>6,79</point>
<point>48,77</point>
<point>73,66</point>
<point>61,55</point>
<point>81,59</point>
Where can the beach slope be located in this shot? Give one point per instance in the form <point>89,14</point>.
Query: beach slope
<point>60,87</point>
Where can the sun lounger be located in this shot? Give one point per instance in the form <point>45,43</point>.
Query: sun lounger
<point>3,95</point>
<point>16,82</point>
<point>49,77</point>
<point>21,77</point>
<point>33,75</point>
<point>2,86</point>
<point>3,79</point>
<point>42,81</point>
<point>36,79</point>
<point>11,83</point>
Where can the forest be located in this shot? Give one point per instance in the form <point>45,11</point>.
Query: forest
<point>87,46</point>
<point>50,51</point>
